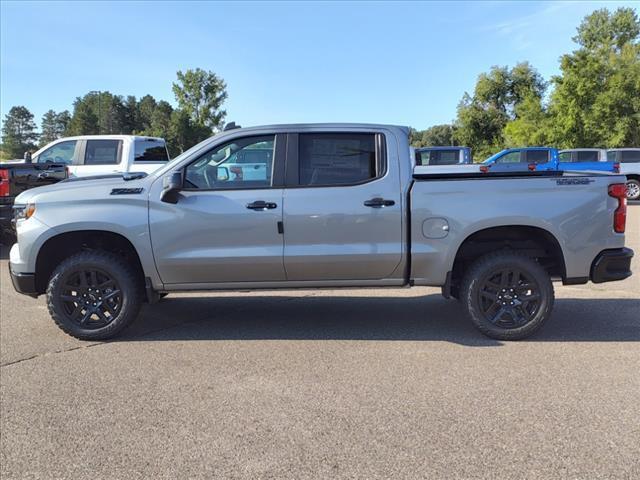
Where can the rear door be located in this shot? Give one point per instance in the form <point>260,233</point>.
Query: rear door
<point>342,207</point>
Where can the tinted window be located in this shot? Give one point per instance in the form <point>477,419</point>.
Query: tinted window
<point>59,153</point>
<point>102,152</point>
<point>438,157</point>
<point>630,156</point>
<point>336,158</point>
<point>611,156</point>
<point>587,156</point>
<point>241,163</point>
<point>537,156</point>
<point>511,157</point>
<point>150,151</point>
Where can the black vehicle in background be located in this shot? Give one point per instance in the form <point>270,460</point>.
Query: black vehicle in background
<point>15,178</point>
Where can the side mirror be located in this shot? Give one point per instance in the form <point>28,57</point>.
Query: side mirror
<point>27,157</point>
<point>222,174</point>
<point>171,186</point>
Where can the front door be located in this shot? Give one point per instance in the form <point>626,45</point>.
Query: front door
<point>225,226</point>
<point>342,207</point>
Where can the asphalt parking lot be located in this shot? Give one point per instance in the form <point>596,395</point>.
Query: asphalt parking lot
<point>340,384</point>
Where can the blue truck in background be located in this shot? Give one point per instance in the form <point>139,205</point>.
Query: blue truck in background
<point>542,159</point>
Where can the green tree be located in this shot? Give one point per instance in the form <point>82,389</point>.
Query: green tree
<point>201,95</point>
<point>53,126</point>
<point>596,100</point>
<point>18,132</point>
<point>184,133</point>
<point>84,121</point>
<point>146,107</point>
<point>532,124</point>
<point>495,101</point>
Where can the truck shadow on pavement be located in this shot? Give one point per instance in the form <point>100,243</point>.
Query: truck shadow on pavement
<point>426,318</point>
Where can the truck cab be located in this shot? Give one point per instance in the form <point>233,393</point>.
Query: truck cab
<point>91,155</point>
<point>629,160</point>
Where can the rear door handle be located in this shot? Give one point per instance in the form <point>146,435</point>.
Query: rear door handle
<point>261,205</point>
<point>379,203</point>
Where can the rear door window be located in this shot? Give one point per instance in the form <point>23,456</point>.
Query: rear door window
<point>103,152</point>
<point>630,156</point>
<point>587,156</point>
<point>327,159</point>
<point>537,156</point>
<point>150,150</point>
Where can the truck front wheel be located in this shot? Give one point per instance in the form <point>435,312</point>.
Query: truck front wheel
<point>94,295</point>
<point>508,296</point>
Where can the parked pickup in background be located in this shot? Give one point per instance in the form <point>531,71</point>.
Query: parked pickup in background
<point>342,206</point>
<point>15,178</point>
<point>543,159</point>
<point>103,154</point>
<point>443,156</point>
<point>629,160</point>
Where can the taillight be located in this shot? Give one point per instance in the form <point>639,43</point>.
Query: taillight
<point>616,167</point>
<point>619,191</point>
<point>532,167</point>
<point>484,168</point>
<point>66,172</point>
<point>4,183</point>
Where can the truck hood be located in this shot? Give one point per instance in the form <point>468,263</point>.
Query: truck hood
<point>84,188</point>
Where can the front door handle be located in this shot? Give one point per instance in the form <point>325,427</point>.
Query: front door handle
<point>379,203</point>
<point>261,205</point>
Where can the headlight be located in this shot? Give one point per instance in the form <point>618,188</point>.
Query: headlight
<point>23,212</point>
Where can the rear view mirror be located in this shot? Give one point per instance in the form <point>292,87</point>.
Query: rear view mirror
<point>171,186</point>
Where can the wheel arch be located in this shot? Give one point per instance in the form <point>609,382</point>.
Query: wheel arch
<point>62,245</point>
<point>533,241</point>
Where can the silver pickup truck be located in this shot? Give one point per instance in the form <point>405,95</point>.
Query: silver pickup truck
<point>338,205</point>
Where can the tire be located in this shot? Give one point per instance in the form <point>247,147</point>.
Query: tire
<point>103,305</point>
<point>633,189</point>
<point>508,296</point>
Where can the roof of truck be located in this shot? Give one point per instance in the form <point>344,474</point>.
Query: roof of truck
<point>293,126</point>
<point>109,137</point>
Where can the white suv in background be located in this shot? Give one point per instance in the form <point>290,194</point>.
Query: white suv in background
<point>90,155</point>
<point>629,160</point>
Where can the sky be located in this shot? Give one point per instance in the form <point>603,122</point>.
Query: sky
<point>406,63</point>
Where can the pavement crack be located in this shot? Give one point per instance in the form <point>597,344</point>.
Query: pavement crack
<point>40,355</point>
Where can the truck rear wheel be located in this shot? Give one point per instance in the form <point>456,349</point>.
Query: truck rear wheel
<point>94,295</point>
<point>508,296</point>
<point>633,189</point>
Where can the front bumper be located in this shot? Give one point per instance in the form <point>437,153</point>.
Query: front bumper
<point>24,283</point>
<point>612,265</point>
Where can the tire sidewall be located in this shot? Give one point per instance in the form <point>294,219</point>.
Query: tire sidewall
<point>487,266</point>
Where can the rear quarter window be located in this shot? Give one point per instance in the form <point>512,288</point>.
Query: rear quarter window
<point>537,156</point>
<point>150,151</point>
<point>588,156</point>
<point>630,156</point>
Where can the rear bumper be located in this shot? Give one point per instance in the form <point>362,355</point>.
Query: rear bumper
<point>612,265</point>
<point>24,283</point>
